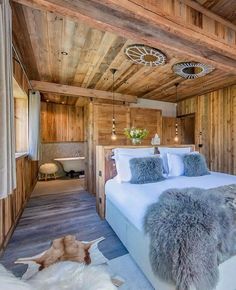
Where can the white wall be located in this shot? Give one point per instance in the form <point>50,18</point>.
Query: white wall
<point>168,109</point>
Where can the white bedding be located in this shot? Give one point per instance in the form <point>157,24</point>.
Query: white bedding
<point>133,199</point>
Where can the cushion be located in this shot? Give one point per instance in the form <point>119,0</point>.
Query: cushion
<point>165,150</point>
<point>195,165</point>
<point>136,152</point>
<point>122,159</point>
<point>146,170</point>
<point>175,164</point>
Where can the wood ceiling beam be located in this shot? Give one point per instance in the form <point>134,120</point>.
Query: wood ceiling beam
<point>47,87</point>
<point>149,22</point>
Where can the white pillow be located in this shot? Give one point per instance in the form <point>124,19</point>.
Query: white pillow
<point>175,164</point>
<point>123,166</point>
<point>165,150</point>
<point>133,151</point>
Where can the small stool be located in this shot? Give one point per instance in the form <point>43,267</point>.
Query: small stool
<point>48,169</point>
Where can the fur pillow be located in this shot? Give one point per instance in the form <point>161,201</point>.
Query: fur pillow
<point>195,165</point>
<point>146,170</point>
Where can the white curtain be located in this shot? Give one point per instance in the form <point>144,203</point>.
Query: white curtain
<point>34,125</point>
<point>7,132</point>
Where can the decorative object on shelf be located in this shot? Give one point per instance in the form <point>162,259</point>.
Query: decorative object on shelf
<point>113,132</point>
<point>136,135</point>
<point>156,140</point>
<point>192,70</point>
<point>176,139</point>
<point>145,55</point>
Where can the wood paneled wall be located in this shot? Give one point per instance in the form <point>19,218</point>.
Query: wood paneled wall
<point>168,130</point>
<point>99,125</point>
<point>150,119</point>
<point>61,123</point>
<point>215,126</point>
<point>11,207</point>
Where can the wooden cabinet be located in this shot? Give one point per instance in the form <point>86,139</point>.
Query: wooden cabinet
<point>61,123</point>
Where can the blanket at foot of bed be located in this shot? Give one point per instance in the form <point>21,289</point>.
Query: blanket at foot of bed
<point>191,230</point>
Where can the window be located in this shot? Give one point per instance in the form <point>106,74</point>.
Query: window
<point>21,118</point>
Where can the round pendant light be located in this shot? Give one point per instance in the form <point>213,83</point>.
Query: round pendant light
<point>192,70</point>
<point>145,55</point>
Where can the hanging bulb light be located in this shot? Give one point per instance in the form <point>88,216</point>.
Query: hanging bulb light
<point>176,139</point>
<point>113,132</point>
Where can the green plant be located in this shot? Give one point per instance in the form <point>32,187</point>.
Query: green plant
<point>135,133</point>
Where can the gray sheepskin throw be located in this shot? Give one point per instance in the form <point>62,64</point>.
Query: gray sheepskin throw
<point>191,231</point>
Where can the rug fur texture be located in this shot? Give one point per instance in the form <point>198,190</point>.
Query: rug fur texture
<point>191,232</point>
<point>61,276</point>
<point>68,264</point>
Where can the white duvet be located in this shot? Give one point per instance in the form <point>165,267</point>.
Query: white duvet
<point>133,199</point>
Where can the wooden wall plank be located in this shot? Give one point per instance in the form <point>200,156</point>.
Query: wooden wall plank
<point>61,123</point>
<point>149,119</point>
<point>216,120</point>
<point>12,206</point>
<point>168,130</point>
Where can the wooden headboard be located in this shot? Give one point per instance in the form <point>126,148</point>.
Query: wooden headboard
<point>106,169</point>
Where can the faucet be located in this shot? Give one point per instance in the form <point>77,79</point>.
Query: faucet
<point>77,153</point>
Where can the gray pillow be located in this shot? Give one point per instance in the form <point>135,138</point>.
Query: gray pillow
<point>195,165</point>
<point>146,170</point>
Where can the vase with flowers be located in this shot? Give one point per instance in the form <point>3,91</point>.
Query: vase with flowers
<point>136,135</point>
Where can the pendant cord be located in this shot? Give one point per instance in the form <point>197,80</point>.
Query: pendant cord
<point>176,122</point>
<point>113,97</point>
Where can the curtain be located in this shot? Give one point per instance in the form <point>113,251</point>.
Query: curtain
<point>34,125</point>
<point>7,132</point>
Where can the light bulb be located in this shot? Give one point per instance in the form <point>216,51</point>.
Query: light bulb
<point>113,136</point>
<point>176,139</point>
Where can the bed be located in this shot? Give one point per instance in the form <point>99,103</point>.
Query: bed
<point>125,208</point>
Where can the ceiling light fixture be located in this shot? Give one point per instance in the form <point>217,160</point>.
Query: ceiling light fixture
<point>113,132</point>
<point>192,70</point>
<point>145,55</point>
<point>64,53</point>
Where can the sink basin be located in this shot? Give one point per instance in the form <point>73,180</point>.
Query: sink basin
<point>69,164</point>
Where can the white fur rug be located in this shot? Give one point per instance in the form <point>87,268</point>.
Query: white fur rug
<point>76,276</point>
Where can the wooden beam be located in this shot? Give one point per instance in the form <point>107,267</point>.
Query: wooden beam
<point>158,24</point>
<point>47,87</point>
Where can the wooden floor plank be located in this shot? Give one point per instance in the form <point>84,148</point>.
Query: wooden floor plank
<point>47,217</point>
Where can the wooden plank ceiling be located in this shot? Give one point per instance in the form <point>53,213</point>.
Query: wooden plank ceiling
<point>57,49</point>
<point>223,8</point>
